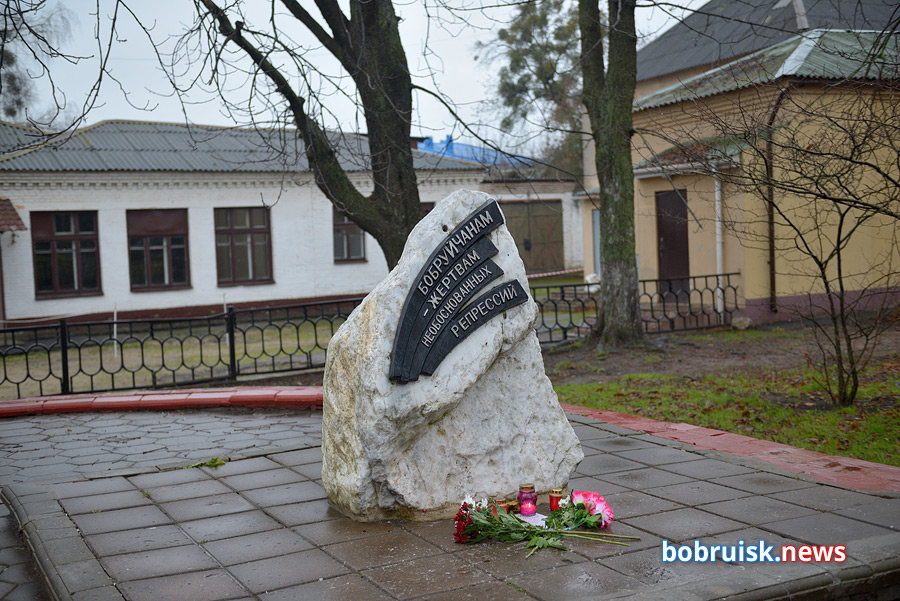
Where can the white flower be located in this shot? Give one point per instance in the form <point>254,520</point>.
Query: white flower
<point>564,502</point>
<point>469,501</point>
<point>483,504</point>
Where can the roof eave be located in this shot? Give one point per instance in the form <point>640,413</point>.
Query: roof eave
<point>693,167</point>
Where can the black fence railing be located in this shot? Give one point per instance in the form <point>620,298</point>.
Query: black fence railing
<point>120,355</point>
<point>69,357</point>
<point>691,303</point>
<point>287,338</point>
<point>567,311</point>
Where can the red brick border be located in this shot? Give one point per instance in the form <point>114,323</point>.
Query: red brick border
<point>294,397</point>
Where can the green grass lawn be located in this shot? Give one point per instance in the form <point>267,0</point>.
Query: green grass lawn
<point>785,406</point>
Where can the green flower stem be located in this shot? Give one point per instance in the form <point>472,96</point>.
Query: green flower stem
<point>588,534</point>
<point>597,539</point>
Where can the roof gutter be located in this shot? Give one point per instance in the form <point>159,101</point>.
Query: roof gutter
<point>683,168</point>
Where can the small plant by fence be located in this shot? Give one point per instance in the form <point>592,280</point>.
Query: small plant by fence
<point>68,357</point>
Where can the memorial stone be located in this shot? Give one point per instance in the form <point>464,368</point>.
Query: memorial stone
<point>435,386</point>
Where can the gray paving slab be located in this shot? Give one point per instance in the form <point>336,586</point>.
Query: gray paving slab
<point>697,492</point>
<point>682,524</point>
<point>158,562</point>
<point>259,526</point>
<point>256,546</point>
<point>206,507</point>
<point>761,482</point>
<point>881,512</point>
<point>296,514</point>
<point>262,479</point>
<point>824,498</point>
<point>757,509</point>
<point>138,539</point>
<point>211,585</point>
<point>55,448</point>
<point>706,468</point>
<point>341,588</point>
<point>120,519</point>
<point>644,478</point>
<point>638,503</point>
<point>819,529</point>
<point>578,581</point>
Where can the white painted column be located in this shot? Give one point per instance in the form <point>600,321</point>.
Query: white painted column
<point>720,249</point>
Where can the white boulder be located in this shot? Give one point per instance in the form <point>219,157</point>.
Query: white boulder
<point>485,421</point>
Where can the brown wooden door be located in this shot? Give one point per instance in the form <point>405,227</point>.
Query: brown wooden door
<point>672,233</point>
<point>537,228</point>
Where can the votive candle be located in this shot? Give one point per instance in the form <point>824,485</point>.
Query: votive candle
<point>527,499</point>
<point>555,496</point>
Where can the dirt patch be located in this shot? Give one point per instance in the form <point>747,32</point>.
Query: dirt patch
<point>698,353</point>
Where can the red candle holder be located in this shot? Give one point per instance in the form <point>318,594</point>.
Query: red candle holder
<point>527,499</point>
<point>555,497</point>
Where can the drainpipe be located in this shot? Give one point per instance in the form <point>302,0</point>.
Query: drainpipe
<point>720,249</point>
<point>770,198</point>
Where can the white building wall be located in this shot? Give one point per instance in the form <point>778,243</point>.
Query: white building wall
<point>301,230</point>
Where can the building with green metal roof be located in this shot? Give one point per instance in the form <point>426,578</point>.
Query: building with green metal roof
<point>749,155</point>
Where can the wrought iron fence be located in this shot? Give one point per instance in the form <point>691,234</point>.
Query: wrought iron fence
<point>690,303</point>
<point>567,311</point>
<point>287,338</point>
<point>119,355</point>
<point>65,357</point>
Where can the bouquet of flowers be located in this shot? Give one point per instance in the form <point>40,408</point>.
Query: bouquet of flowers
<point>478,521</point>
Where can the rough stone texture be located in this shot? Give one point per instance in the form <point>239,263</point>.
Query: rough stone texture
<point>485,421</point>
<point>741,323</point>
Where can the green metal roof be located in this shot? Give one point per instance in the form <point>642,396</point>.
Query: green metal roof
<point>698,152</point>
<point>816,54</point>
<point>721,30</point>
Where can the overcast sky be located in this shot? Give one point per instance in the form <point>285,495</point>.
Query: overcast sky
<point>441,52</point>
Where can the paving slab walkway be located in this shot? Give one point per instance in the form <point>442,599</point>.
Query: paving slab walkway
<point>107,515</point>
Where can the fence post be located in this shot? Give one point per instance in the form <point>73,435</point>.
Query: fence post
<point>64,385</point>
<point>232,356</point>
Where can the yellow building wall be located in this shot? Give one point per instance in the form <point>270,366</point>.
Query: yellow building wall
<point>873,248</point>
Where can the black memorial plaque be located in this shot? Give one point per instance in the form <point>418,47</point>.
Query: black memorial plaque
<point>490,304</point>
<point>484,219</point>
<point>441,293</point>
<point>463,275</point>
<point>458,298</point>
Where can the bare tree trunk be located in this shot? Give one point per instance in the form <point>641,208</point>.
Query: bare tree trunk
<point>368,46</point>
<point>608,96</point>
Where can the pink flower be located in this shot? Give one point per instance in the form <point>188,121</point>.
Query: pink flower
<point>595,504</point>
<point>605,512</point>
<point>588,499</point>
